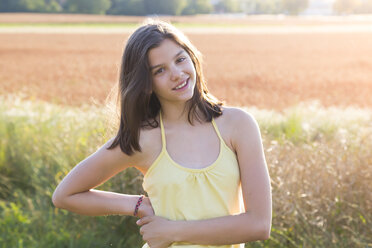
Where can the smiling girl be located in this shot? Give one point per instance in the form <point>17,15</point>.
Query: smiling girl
<point>203,164</point>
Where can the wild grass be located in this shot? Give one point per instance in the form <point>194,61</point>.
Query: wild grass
<point>320,164</point>
<point>319,161</point>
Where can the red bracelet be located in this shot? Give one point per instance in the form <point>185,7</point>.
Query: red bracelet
<point>137,205</point>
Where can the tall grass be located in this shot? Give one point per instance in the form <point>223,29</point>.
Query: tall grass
<point>40,143</point>
<point>319,161</point>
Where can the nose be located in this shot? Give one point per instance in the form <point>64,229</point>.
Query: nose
<point>176,72</point>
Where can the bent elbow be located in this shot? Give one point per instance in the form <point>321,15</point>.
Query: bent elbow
<point>56,199</point>
<point>264,232</point>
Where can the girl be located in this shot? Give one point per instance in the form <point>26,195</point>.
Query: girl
<point>203,164</point>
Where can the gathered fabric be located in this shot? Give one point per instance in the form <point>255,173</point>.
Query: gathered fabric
<point>180,193</point>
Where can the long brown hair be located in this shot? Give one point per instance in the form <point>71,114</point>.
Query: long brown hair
<point>139,106</point>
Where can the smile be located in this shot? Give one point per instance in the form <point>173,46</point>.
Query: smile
<point>181,86</point>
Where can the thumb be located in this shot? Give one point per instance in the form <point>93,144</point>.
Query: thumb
<point>144,220</point>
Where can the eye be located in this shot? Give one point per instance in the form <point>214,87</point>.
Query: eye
<point>159,71</point>
<point>179,60</point>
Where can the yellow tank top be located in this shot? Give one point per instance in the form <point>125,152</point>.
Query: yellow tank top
<point>180,193</point>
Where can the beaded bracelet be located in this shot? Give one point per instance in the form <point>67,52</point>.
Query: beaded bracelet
<point>137,205</point>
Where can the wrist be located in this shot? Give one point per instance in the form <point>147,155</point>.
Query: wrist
<point>145,209</point>
<point>138,204</point>
<point>177,230</point>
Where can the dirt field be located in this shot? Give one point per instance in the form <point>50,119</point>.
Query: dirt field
<point>221,19</point>
<point>265,70</point>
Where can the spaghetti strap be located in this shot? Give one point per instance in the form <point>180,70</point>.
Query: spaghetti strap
<point>163,141</point>
<point>170,184</point>
<point>216,128</point>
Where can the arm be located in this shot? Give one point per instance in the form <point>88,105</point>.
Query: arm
<point>255,223</point>
<point>75,192</point>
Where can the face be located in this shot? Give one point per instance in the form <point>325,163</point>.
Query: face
<point>173,72</point>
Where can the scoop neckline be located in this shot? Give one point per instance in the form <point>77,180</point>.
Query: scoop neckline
<point>208,167</point>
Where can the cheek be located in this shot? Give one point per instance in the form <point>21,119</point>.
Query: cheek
<point>154,85</point>
<point>192,68</point>
<point>193,71</point>
<point>189,68</point>
<point>155,88</point>
<point>158,85</point>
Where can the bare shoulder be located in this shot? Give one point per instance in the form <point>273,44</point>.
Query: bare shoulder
<point>233,123</point>
<point>237,118</point>
<point>240,125</point>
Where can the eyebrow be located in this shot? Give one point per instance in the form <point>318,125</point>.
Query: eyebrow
<point>153,67</point>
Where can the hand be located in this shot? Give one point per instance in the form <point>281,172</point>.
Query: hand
<point>145,209</point>
<point>156,231</point>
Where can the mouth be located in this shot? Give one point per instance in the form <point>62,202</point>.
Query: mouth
<point>182,85</point>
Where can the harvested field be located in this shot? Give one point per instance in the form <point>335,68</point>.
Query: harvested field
<point>198,19</point>
<point>264,70</point>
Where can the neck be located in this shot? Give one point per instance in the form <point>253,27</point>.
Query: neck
<point>175,113</point>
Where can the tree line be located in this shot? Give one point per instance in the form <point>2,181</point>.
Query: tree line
<point>149,7</point>
<point>353,6</point>
<point>177,7</point>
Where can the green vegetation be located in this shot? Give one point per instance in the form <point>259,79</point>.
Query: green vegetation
<point>113,7</point>
<point>319,161</point>
<point>158,7</point>
<point>178,7</point>
<point>70,25</point>
<point>40,144</point>
<point>352,7</point>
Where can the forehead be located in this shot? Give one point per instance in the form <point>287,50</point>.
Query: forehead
<point>164,53</point>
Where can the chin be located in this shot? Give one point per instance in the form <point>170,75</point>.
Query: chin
<point>186,99</point>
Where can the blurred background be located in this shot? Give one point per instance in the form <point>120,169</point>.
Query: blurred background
<point>303,68</point>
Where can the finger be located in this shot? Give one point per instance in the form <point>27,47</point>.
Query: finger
<point>144,220</point>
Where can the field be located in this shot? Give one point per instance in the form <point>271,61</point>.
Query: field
<point>307,82</point>
<point>267,70</point>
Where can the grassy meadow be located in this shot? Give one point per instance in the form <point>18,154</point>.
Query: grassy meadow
<point>319,161</point>
<point>310,93</point>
